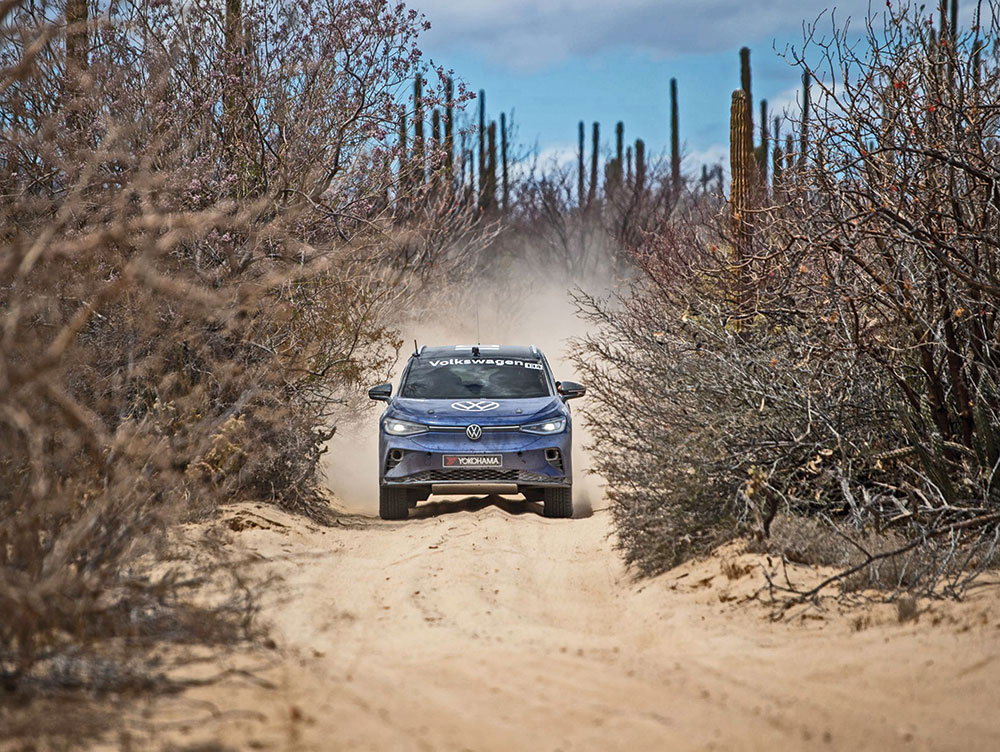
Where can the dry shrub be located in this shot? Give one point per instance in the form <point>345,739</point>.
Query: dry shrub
<point>191,297</point>
<point>821,542</point>
<point>832,351</point>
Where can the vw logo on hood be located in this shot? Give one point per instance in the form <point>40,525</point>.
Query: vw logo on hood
<point>480,406</point>
<point>474,432</point>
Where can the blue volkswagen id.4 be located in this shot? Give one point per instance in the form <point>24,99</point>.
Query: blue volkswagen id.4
<point>476,419</point>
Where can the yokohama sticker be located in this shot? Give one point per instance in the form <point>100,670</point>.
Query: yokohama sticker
<point>472,460</point>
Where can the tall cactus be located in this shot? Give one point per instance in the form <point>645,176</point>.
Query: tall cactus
<point>418,127</point>
<point>640,166</point>
<point>462,164</point>
<point>580,168</point>
<point>745,79</point>
<point>953,37</point>
<point>233,46</point>
<point>804,135</point>
<point>614,170</point>
<point>503,153</point>
<point>628,165</point>
<point>595,147</point>
<point>404,157</point>
<point>761,151</point>
<point>78,37</point>
<point>776,166</point>
<point>449,130</point>
<point>675,142</point>
<point>482,145</point>
<point>741,162</point>
<point>436,148</point>
<point>490,199</point>
<point>77,47</point>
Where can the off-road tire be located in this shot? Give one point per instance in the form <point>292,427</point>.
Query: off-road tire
<point>393,503</point>
<point>558,502</point>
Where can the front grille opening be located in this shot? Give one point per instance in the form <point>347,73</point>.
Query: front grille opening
<point>478,474</point>
<point>554,458</point>
<point>394,458</point>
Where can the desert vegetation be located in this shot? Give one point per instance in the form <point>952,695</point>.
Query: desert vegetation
<point>212,215</point>
<point>194,281</point>
<point>824,347</point>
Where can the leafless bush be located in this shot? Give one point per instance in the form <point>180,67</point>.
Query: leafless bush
<point>188,290</point>
<point>700,412</point>
<point>550,230</point>
<point>843,363</point>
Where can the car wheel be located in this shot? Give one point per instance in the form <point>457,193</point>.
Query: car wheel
<point>393,503</point>
<point>558,502</point>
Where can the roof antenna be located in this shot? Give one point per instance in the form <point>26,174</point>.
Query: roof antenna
<point>416,350</point>
<point>478,340</point>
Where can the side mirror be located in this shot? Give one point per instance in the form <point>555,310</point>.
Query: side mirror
<point>570,389</point>
<point>381,393</point>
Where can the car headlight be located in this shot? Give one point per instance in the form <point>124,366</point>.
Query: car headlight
<point>556,425</point>
<point>396,427</point>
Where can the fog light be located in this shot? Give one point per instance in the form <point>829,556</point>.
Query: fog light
<point>554,458</point>
<point>395,457</point>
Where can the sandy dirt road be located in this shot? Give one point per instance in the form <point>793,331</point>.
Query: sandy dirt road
<point>481,625</point>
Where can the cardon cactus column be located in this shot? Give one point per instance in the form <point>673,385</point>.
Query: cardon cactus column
<point>745,79</point>
<point>436,149</point>
<point>449,130</point>
<point>804,135</point>
<point>503,153</point>
<point>741,163</point>
<point>482,146</point>
<point>404,161</point>
<point>614,170</point>
<point>595,147</point>
<point>675,142</point>
<point>761,152</point>
<point>640,166</point>
<point>78,38</point>
<point>777,165</point>
<point>490,200</point>
<point>418,128</point>
<point>580,169</point>
<point>232,47</point>
<point>77,47</point>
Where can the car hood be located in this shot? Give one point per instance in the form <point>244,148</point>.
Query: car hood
<point>450,412</point>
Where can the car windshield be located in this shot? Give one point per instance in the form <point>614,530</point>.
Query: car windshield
<point>462,378</point>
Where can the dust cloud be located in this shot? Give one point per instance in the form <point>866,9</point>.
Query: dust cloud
<point>508,312</point>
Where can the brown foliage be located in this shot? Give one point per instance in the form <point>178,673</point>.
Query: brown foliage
<point>184,318</point>
<point>846,366</point>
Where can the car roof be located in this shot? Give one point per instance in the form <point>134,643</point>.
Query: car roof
<point>529,352</point>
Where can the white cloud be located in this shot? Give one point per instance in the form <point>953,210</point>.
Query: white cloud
<point>709,157</point>
<point>554,157</point>
<point>560,155</point>
<point>533,33</point>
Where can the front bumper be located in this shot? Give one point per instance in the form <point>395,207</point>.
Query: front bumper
<point>526,460</point>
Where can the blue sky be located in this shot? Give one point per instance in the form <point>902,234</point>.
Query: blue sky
<point>556,62</point>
